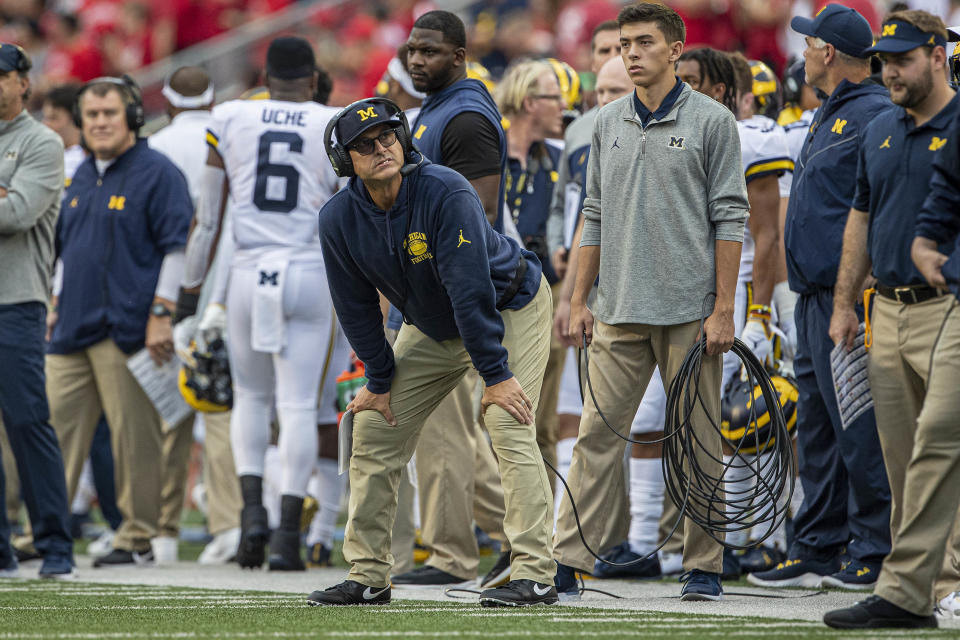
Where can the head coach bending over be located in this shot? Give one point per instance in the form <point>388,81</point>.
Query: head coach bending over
<point>416,231</point>
<point>663,226</point>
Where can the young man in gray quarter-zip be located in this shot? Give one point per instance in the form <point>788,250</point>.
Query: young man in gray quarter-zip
<point>664,216</point>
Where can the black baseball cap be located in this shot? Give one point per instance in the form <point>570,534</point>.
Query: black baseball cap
<point>838,25</point>
<point>897,36</point>
<point>13,58</point>
<point>360,117</point>
<point>289,58</point>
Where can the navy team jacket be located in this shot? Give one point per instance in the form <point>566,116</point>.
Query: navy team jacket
<point>112,235</point>
<point>435,257</point>
<point>824,181</point>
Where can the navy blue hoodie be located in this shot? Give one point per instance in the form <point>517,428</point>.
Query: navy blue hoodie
<point>824,182</point>
<point>435,257</point>
<point>467,95</point>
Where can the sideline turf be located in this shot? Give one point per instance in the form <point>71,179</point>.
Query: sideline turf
<point>43,609</point>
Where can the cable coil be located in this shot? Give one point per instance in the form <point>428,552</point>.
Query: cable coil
<point>698,493</point>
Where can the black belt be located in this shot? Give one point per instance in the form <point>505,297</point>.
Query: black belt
<point>514,286</point>
<point>910,294</point>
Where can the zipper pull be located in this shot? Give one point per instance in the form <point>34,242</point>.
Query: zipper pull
<point>643,141</point>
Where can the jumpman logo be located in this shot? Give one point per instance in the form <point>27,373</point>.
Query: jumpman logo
<point>615,145</point>
<point>462,240</point>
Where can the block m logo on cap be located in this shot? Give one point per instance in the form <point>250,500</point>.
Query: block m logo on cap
<point>366,114</point>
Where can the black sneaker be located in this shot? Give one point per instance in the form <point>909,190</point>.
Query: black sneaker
<point>644,568</point>
<point>877,613</point>
<point>700,585</point>
<point>58,567</point>
<point>285,551</point>
<point>319,556</point>
<point>796,572</point>
<point>254,531</point>
<point>855,575</point>
<point>731,566</point>
<point>122,557</point>
<point>427,576</point>
<point>761,558</point>
<point>567,584</point>
<point>349,592</point>
<point>519,593</point>
<point>499,575</point>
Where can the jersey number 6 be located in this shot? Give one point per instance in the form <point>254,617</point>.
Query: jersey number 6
<point>266,169</point>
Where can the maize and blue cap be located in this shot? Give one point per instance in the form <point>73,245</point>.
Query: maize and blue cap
<point>359,119</point>
<point>898,36</point>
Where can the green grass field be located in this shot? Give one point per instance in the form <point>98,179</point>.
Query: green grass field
<point>34,609</point>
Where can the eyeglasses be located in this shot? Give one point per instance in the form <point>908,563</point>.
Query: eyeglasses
<point>548,96</point>
<point>364,146</point>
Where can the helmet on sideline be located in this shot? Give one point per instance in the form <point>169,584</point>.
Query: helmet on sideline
<point>745,418</point>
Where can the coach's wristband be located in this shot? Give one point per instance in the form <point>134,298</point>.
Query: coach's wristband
<point>186,305</point>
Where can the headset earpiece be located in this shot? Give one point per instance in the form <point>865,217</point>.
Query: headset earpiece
<point>134,109</point>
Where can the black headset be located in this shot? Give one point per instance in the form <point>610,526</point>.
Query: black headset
<point>134,108</point>
<point>339,154</point>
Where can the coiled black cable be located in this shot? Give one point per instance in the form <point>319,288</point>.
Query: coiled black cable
<point>693,466</point>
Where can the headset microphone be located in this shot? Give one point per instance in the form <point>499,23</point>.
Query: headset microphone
<point>410,167</point>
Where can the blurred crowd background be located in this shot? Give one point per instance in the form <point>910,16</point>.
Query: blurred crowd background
<point>76,40</point>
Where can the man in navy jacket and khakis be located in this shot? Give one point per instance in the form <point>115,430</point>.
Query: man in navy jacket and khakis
<point>470,297</point>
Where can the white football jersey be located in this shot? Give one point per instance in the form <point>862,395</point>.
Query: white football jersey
<point>277,167</point>
<point>763,147</point>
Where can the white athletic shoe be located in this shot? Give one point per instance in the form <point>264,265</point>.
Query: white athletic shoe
<point>102,545</point>
<point>222,548</point>
<point>164,550</point>
<point>11,571</point>
<point>948,609</point>
<point>671,563</point>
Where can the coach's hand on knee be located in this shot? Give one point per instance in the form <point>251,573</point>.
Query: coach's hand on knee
<point>366,400</point>
<point>509,396</point>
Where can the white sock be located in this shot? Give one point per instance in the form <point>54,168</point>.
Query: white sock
<point>737,485</point>
<point>646,503</point>
<point>778,538</point>
<point>564,458</point>
<point>86,491</point>
<point>330,491</point>
<point>273,466</point>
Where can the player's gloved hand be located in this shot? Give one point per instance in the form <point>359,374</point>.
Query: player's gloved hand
<point>183,336</point>
<point>214,318</point>
<point>784,302</point>
<point>757,333</point>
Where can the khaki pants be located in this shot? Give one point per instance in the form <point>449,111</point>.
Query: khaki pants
<point>12,492</point>
<point>550,392</point>
<point>622,359</point>
<point>219,475</point>
<point>903,339</point>
<point>80,386</point>
<point>930,496</point>
<point>458,483</point>
<point>176,444</point>
<point>404,528</point>
<point>426,371</point>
